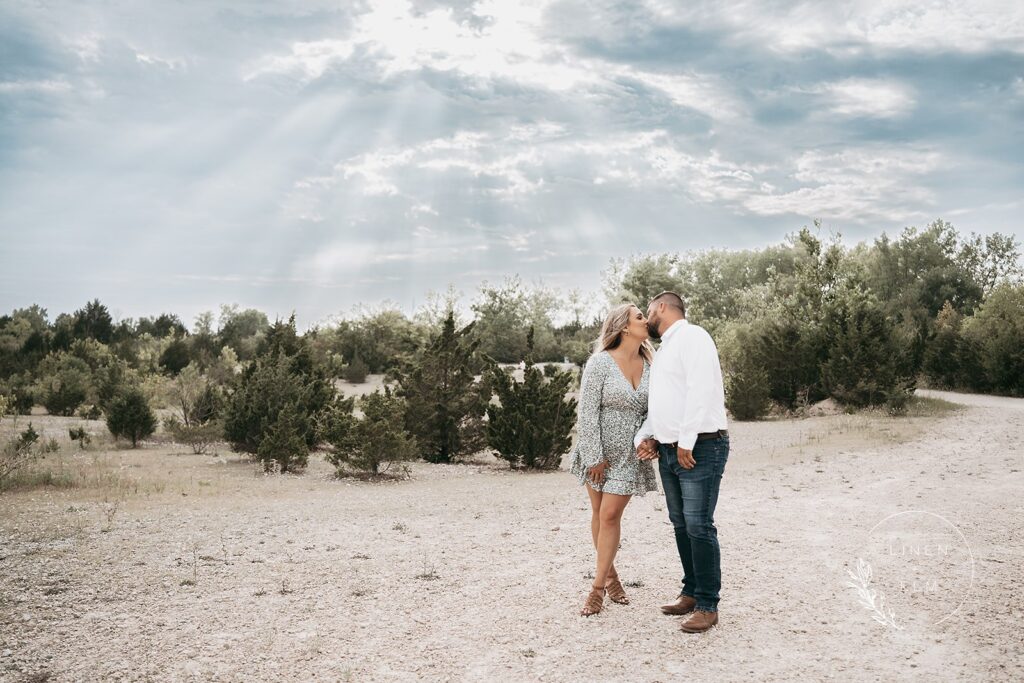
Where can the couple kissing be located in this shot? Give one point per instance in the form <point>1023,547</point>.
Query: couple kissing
<point>638,406</point>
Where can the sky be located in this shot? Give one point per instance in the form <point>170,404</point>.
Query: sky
<point>312,156</point>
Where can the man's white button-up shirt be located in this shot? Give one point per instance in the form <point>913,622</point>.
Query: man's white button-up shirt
<point>686,394</point>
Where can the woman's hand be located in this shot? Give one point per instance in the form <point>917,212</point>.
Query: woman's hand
<point>596,473</point>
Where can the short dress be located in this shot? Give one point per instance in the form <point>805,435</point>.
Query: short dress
<point>610,414</point>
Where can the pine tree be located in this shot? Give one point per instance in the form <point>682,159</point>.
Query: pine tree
<point>131,417</point>
<point>531,426</point>
<point>376,440</point>
<point>445,403</point>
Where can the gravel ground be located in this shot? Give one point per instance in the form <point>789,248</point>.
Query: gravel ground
<point>167,566</point>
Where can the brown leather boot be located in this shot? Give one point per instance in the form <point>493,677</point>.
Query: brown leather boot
<point>699,621</point>
<point>684,605</point>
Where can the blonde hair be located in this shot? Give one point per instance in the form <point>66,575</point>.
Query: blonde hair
<point>615,324</point>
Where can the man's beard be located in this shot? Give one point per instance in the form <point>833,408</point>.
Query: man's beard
<point>652,330</point>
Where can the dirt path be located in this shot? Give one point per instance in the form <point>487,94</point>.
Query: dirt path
<point>476,573</point>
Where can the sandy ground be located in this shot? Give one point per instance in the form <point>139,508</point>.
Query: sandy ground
<point>170,566</point>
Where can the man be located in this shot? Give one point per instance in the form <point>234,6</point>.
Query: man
<point>685,430</point>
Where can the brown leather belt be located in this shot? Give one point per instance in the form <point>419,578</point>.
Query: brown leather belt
<point>704,436</point>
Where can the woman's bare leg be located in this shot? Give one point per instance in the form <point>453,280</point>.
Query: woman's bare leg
<point>595,523</point>
<point>612,507</point>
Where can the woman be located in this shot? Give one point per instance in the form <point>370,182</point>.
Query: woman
<point>612,406</point>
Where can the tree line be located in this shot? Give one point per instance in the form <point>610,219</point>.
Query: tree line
<point>795,323</point>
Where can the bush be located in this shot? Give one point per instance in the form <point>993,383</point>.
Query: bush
<point>864,366</point>
<point>284,444</point>
<point>996,331</point>
<point>266,389</point>
<point>17,452</point>
<point>92,412</point>
<point>176,356</point>
<point>198,436</point>
<point>131,417</point>
<point>531,427</point>
<point>445,404</point>
<point>377,439</point>
<point>80,435</point>
<point>355,372</point>
<point>746,389</point>
<point>64,384</point>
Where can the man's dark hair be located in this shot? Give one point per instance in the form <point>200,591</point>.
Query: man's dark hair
<point>670,299</point>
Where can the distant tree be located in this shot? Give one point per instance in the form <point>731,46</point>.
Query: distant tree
<point>531,426</point>
<point>278,395</point>
<point>176,356</point>
<point>65,383</point>
<point>996,331</point>
<point>446,404</point>
<point>131,417</point>
<point>355,371</point>
<point>863,365</point>
<point>377,439</point>
<point>242,330</point>
<point>93,322</point>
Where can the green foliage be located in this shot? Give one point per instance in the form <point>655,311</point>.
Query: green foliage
<point>445,403</point>
<point>531,426</point>
<point>746,380</point>
<point>131,417</point>
<point>996,335</point>
<point>280,395</point>
<point>376,440</point>
<point>176,356</point>
<point>283,443</point>
<point>65,383</point>
<point>356,370</point>
<point>505,313</point>
<point>381,338</point>
<point>863,365</point>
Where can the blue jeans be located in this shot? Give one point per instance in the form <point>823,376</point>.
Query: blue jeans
<point>691,497</point>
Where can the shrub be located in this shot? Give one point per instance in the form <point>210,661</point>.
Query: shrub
<point>531,427</point>
<point>176,356</point>
<point>91,412</point>
<point>131,417</point>
<point>376,440</point>
<point>266,388</point>
<point>997,332</point>
<point>864,366</point>
<point>445,404</point>
<point>283,443</point>
<point>17,452</point>
<point>355,372</point>
<point>746,389</point>
<point>64,385</point>
<point>80,435</point>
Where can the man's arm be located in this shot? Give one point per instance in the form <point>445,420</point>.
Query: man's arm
<point>700,363</point>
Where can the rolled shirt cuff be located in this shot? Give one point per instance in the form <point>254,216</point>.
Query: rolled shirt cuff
<point>640,437</point>
<point>687,440</point>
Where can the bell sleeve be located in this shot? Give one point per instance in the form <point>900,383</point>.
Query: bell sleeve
<point>588,416</point>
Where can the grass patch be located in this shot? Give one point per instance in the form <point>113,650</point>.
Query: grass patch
<point>926,406</point>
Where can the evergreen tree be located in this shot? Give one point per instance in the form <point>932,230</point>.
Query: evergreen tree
<point>131,417</point>
<point>275,382</point>
<point>445,403</point>
<point>532,424</point>
<point>864,365</point>
<point>376,440</point>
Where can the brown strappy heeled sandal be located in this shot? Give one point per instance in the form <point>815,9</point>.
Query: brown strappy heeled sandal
<point>594,603</point>
<point>616,593</point>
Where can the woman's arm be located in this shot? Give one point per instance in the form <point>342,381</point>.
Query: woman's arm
<point>588,415</point>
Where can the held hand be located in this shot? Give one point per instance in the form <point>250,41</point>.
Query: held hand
<point>647,450</point>
<point>596,473</point>
<point>685,458</point>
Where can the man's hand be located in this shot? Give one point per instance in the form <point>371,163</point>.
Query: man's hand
<point>596,473</point>
<point>685,458</point>
<point>647,450</point>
